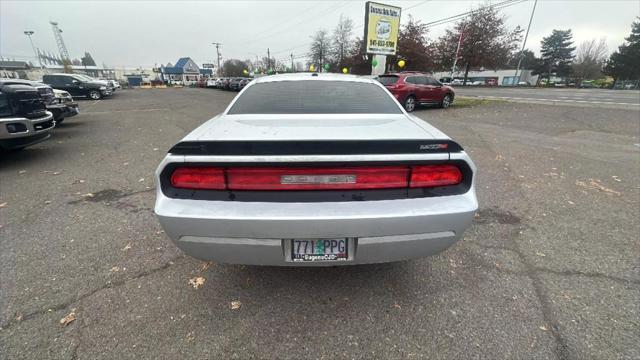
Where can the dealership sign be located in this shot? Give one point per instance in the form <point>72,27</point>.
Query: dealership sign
<point>382,23</point>
<point>207,66</point>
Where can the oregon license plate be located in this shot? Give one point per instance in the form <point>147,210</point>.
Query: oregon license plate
<point>320,250</point>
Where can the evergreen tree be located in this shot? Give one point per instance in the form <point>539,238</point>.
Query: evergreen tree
<point>557,53</point>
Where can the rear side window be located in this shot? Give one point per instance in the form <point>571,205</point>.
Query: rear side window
<point>418,80</point>
<point>314,97</point>
<point>432,81</point>
<point>388,80</point>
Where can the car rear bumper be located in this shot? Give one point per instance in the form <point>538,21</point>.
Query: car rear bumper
<point>259,233</point>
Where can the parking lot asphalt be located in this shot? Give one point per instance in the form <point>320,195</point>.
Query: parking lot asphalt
<point>549,270</point>
<point>557,96</point>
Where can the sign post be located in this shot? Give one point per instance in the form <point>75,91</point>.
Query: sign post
<point>382,25</point>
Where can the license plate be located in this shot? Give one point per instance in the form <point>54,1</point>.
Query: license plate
<point>320,250</point>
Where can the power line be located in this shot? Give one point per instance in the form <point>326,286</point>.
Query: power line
<point>500,5</point>
<point>297,23</point>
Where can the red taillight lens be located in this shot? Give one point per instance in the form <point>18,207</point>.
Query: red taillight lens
<point>338,178</point>
<point>198,178</point>
<point>434,175</point>
<point>382,177</point>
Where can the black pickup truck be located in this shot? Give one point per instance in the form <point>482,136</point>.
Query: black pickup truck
<point>24,119</point>
<point>59,106</point>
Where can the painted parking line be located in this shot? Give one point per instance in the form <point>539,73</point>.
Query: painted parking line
<point>554,100</point>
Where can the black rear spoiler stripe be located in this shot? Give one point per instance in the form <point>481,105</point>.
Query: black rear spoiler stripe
<point>315,147</point>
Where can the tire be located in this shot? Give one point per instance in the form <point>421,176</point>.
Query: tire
<point>410,103</point>
<point>95,95</point>
<point>447,100</point>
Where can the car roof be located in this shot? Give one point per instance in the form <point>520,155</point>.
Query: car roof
<point>22,82</point>
<point>313,76</point>
<point>407,73</point>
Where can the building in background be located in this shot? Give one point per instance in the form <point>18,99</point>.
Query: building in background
<point>491,77</point>
<point>184,72</point>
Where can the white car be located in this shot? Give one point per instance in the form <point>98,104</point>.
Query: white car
<point>211,83</point>
<point>315,170</point>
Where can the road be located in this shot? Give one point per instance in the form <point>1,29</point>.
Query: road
<point>549,270</point>
<point>574,97</point>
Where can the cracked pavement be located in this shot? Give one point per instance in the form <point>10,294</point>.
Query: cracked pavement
<point>550,268</point>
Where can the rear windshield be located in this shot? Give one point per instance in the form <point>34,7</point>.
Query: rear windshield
<point>314,97</point>
<point>388,80</point>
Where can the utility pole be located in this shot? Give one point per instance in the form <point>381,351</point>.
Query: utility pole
<point>292,67</point>
<point>217,44</point>
<point>268,60</point>
<point>29,33</point>
<point>455,59</point>
<point>321,50</point>
<point>516,78</point>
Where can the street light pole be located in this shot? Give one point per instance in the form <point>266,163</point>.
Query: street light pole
<point>29,33</point>
<point>268,60</point>
<point>218,53</point>
<point>516,77</point>
<point>292,66</point>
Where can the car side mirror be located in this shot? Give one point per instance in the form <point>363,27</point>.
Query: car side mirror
<point>75,82</point>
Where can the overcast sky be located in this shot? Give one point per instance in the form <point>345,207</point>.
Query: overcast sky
<point>144,33</point>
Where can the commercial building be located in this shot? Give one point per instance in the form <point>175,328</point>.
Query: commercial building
<point>184,72</point>
<point>492,77</point>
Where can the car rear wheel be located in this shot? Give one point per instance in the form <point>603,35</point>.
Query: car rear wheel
<point>446,101</point>
<point>95,95</point>
<point>410,103</point>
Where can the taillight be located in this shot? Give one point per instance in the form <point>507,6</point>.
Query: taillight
<point>382,177</point>
<point>209,178</point>
<point>332,178</point>
<point>434,175</point>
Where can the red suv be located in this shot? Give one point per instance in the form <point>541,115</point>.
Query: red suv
<point>413,89</point>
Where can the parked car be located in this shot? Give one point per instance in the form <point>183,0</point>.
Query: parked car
<point>524,83</point>
<point>114,84</point>
<point>234,84</point>
<point>243,83</point>
<point>24,119</point>
<point>47,93</point>
<point>586,85</point>
<point>107,83</point>
<point>211,82</point>
<point>77,86</point>
<point>412,89</point>
<point>65,99</point>
<point>226,82</point>
<point>356,180</point>
<point>457,82</point>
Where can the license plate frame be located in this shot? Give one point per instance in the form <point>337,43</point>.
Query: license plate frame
<point>291,255</point>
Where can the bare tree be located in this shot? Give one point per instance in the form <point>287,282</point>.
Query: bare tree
<point>590,58</point>
<point>320,49</point>
<point>342,42</point>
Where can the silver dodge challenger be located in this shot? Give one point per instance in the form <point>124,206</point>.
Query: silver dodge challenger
<point>315,170</point>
